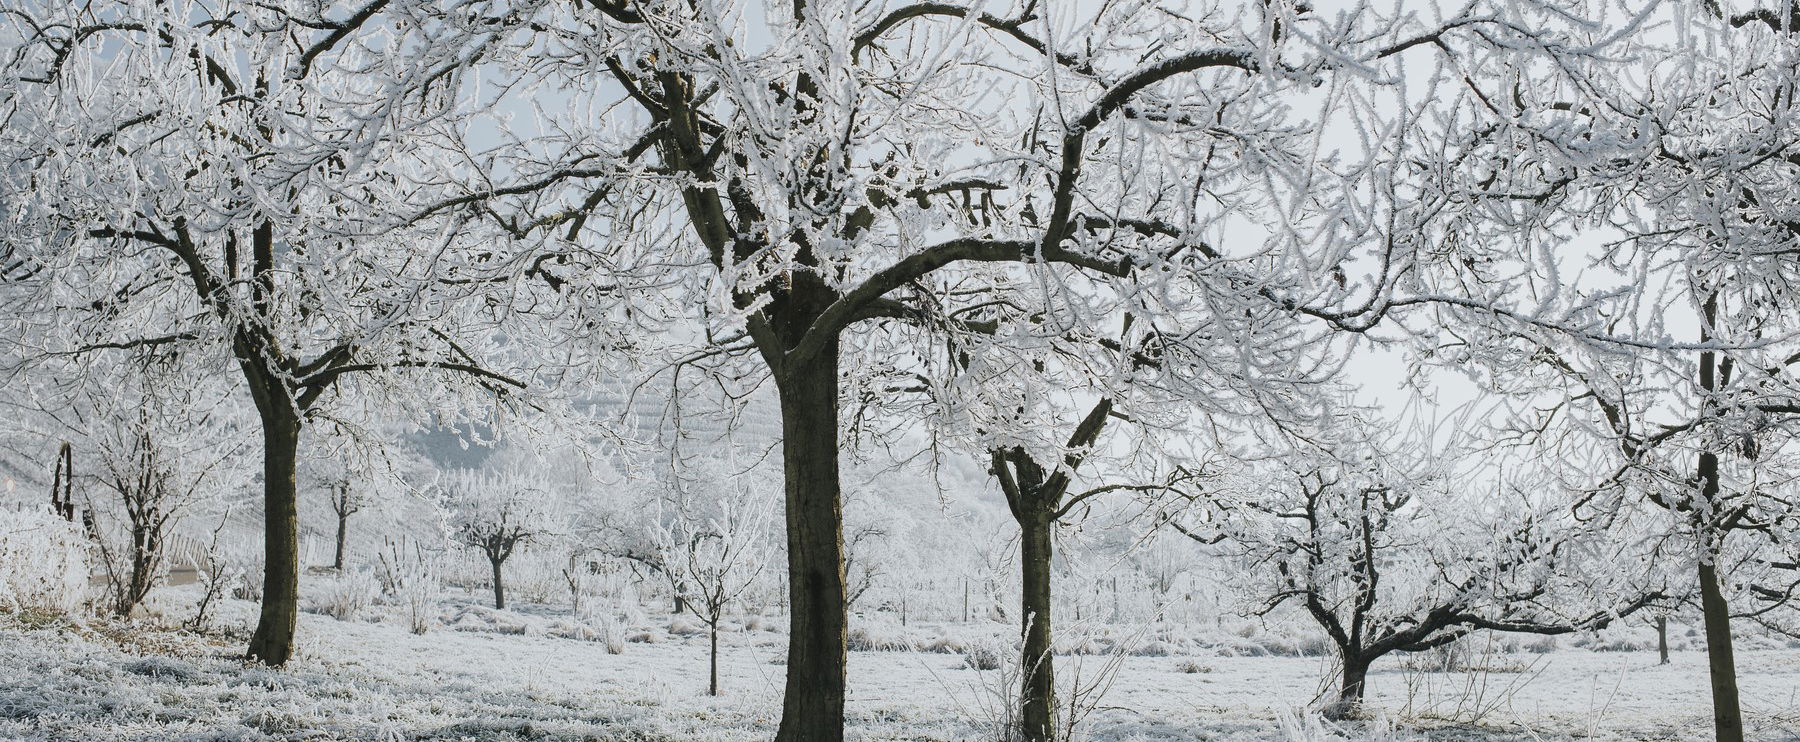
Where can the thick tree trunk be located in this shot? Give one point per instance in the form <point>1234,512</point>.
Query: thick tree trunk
<point>1728,720</point>
<point>1662,640</point>
<point>337,559</point>
<point>1351,689</point>
<point>273,641</point>
<point>813,707</point>
<point>499,585</point>
<point>1037,697</point>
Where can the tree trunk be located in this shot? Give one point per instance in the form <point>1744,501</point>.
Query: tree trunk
<point>337,560</point>
<point>712,670</point>
<point>1350,692</point>
<point>499,585</point>
<point>1037,697</point>
<point>1728,721</point>
<point>965,614</point>
<point>145,547</point>
<point>813,705</point>
<point>62,486</point>
<point>273,641</point>
<point>1662,640</point>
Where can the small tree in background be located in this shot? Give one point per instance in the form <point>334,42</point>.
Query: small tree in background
<point>718,556</point>
<point>160,452</point>
<point>150,501</point>
<point>498,512</point>
<point>346,500</point>
<point>865,561</point>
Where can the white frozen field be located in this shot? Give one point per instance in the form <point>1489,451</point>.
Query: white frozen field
<point>538,673</point>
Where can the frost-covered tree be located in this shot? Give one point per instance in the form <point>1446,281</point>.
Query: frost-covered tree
<point>1045,490</point>
<point>154,475</point>
<point>240,181</point>
<point>1387,556</point>
<point>346,500</point>
<point>1652,198</point>
<point>719,549</point>
<point>161,446</point>
<point>792,176</point>
<point>498,512</point>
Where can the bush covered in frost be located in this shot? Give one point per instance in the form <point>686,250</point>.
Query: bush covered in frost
<point>346,595</point>
<point>47,563</point>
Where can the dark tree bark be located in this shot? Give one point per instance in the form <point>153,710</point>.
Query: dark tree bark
<point>712,667</point>
<point>1037,707</point>
<point>62,484</point>
<point>499,583</point>
<point>282,415</point>
<point>272,643</point>
<point>337,556</point>
<point>1352,687</point>
<point>146,559</point>
<point>813,706</point>
<point>1037,498</point>
<point>345,503</point>
<point>1662,640</point>
<point>1721,662</point>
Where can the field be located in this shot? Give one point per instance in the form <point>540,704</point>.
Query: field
<point>537,673</point>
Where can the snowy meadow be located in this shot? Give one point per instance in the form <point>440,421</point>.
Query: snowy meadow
<point>539,672</point>
<point>999,370</point>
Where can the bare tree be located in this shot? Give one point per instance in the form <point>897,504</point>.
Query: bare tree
<point>498,512</point>
<point>346,501</point>
<point>719,556</point>
<point>150,501</point>
<point>155,475</point>
<point>863,562</point>
<point>1387,559</point>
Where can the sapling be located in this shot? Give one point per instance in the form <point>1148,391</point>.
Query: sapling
<point>720,554</point>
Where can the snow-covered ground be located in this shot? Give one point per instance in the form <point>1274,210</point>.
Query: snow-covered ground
<point>478,677</point>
